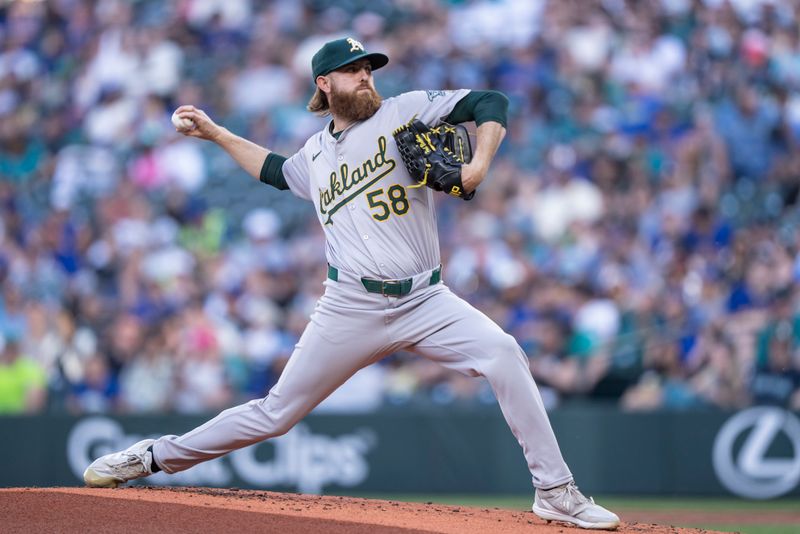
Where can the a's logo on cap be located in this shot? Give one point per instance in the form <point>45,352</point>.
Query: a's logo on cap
<point>355,46</point>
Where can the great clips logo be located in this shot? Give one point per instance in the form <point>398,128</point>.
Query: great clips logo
<point>757,453</point>
<point>300,459</point>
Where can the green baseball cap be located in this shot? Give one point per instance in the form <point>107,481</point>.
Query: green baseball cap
<point>335,54</point>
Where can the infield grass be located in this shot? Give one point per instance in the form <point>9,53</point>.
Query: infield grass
<point>761,522</point>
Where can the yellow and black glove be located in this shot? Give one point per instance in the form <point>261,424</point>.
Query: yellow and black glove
<point>433,156</point>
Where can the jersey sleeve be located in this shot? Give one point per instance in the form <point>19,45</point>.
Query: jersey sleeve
<point>296,173</point>
<point>431,107</point>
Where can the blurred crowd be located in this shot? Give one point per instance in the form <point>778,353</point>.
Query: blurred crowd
<point>638,233</point>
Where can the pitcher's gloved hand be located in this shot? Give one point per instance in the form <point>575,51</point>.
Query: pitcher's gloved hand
<point>433,156</point>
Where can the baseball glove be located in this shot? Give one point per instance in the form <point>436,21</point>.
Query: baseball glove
<point>434,156</point>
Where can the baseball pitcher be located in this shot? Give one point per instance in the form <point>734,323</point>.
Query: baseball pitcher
<point>372,173</point>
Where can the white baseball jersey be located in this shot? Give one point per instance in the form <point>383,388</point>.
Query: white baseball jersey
<point>378,226</point>
<point>375,225</point>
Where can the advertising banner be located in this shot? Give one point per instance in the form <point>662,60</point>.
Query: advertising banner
<point>754,453</point>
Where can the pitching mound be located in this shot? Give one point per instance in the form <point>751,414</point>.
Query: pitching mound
<point>174,510</point>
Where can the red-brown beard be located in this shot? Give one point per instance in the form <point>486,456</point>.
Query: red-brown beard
<point>355,106</point>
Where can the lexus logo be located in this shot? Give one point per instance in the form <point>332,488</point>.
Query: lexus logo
<point>741,458</point>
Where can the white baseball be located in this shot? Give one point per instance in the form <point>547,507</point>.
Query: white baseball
<point>181,123</point>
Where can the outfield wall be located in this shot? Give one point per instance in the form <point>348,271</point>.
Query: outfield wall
<point>754,453</point>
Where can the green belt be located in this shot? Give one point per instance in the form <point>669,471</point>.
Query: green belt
<point>388,288</point>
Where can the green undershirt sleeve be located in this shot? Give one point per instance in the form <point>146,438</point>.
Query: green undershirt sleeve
<point>272,171</point>
<point>480,106</point>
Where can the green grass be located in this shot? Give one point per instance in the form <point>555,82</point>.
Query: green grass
<point>702,504</point>
<point>749,529</point>
<point>516,502</point>
<point>694,504</point>
<point>706,504</point>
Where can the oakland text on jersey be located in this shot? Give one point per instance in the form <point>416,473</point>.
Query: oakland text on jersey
<point>343,181</point>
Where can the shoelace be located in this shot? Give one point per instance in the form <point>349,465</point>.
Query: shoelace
<point>132,460</point>
<point>572,495</point>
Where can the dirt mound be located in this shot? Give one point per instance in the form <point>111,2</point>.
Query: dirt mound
<point>174,510</point>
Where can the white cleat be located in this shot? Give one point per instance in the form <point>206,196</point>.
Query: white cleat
<point>113,469</point>
<point>567,503</point>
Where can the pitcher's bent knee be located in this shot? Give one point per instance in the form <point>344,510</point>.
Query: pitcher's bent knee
<point>505,352</point>
<point>507,347</point>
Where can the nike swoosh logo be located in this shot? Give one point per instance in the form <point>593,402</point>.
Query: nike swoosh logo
<point>315,155</point>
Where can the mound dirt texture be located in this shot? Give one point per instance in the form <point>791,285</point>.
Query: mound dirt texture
<point>177,510</point>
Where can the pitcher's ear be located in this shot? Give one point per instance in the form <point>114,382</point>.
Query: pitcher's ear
<point>324,84</point>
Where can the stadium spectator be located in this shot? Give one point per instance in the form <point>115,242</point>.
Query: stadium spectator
<point>639,221</point>
<point>22,381</point>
